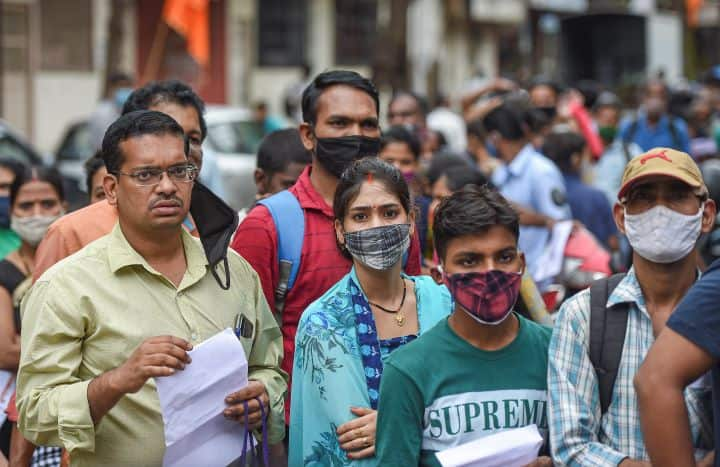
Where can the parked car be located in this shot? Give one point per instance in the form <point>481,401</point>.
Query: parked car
<point>14,146</point>
<point>72,152</point>
<point>233,139</point>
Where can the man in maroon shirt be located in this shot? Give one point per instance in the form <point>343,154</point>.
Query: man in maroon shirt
<point>340,125</point>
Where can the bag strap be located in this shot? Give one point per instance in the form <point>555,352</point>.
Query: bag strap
<point>674,132</point>
<point>607,336</point>
<point>289,220</point>
<point>248,439</point>
<point>630,133</point>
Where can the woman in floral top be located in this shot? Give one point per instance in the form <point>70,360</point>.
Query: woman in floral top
<point>344,336</point>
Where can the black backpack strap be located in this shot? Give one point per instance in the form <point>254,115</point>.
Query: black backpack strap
<point>626,151</point>
<point>630,134</point>
<point>674,132</point>
<point>607,336</point>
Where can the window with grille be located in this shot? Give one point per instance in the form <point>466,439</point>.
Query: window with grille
<point>355,31</point>
<point>66,35</point>
<point>281,32</point>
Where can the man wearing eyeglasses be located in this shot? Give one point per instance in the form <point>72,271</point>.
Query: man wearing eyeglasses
<point>602,335</point>
<point>72,232</point>
<point>100,325</point>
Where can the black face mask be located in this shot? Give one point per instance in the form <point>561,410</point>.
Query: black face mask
<point>337,154</point>
<point>550,112</point>
<point>216,222</point>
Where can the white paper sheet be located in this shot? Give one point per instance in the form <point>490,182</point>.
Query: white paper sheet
<point>192,402</point>
<point>511,448</point>
<point>551,261</point>
<point>7,389</point>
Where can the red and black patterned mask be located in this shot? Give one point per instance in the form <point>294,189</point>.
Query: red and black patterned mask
<point>488,297</point>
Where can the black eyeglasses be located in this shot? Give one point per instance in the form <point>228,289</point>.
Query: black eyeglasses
<point>152,176</point>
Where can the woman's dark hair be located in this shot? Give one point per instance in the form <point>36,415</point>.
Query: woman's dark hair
<point>370,168</point>
<point>13,165</point>
<point>400,134</point>
<point>560,147</point>
<point>507,120</point>
<point>37,174</point>
<point>324,80</point>
<point>358,173</point>
<point>472,211</point>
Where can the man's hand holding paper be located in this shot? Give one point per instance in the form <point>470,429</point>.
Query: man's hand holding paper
<point>254,391</point>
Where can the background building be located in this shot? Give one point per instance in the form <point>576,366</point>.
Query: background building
<point>56,54</point>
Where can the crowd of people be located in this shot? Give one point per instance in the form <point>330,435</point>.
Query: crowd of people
<point>386,285</point>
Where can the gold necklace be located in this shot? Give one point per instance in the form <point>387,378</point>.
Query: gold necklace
<point>399,317</point>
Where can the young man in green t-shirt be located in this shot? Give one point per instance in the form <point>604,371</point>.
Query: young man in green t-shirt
<point>481,371</point>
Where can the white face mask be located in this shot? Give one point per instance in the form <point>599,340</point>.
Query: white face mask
<point>662,235</point>
<point>32,229</point>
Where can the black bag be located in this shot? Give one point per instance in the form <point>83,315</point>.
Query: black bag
<point>608,327</point>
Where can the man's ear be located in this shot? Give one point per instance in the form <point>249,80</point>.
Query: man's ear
<point>307,136</point>
<point>708,218</point>
<point>260,180</point>
<point>110,185</point>
<point>524,262</point>
<point>619,216</point>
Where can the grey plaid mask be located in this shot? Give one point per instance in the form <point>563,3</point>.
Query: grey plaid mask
<point>379,247</point>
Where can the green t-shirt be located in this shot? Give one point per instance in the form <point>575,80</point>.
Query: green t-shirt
<point>9,242</point>
<point>439,391</point>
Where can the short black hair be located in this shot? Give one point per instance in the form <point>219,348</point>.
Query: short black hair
<point>170,91</point>
<point>135,124</point>
<point>281,148</point>
<point>400,134</point>
<point>40,174</point>
<point>324,80</point>
<point>458,177</point>
<point>119,77</point>
<point>421,102</point>
<point>506,120</point>
<point>471,211</point>
<point>441,162</point>
<point>542,80</point>
<point>477,129</point>
<point>560,147</point>
<point>358,173</point>
<point>91,166</point>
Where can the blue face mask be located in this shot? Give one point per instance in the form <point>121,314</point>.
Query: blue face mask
<point>121,95</point>
<point>5,212</point>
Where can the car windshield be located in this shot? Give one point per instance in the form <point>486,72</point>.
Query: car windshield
<point>235,137</point>
<point>12,150</point>
<point>76,145</point>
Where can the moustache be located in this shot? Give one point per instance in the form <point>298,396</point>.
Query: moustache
<point>172,201</point>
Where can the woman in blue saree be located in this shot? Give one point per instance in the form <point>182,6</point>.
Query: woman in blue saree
<point>344,336</point>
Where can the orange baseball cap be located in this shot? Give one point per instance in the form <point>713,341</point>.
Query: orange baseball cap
<point>662,161</point>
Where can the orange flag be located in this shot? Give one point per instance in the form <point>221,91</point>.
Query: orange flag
<point>693,8</point>
<point>190,18</point>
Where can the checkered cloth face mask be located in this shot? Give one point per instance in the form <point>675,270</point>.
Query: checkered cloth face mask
<point>379,248</point>
<point>488,297</point>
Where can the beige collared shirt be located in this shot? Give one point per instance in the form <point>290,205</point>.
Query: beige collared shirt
<point>89,312</point>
